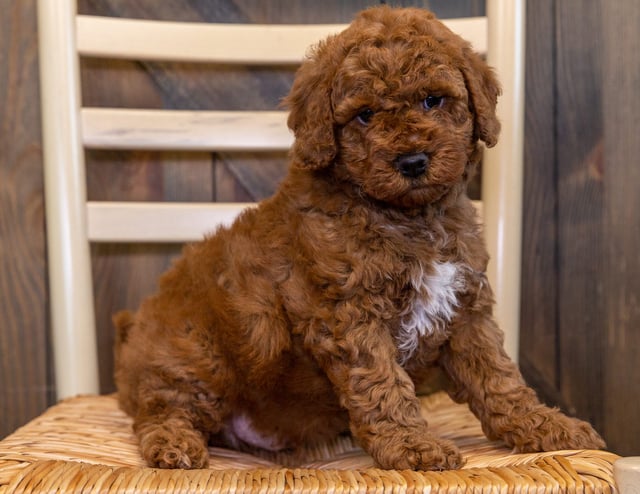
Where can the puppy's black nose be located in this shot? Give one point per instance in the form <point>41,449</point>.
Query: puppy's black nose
<point>412,165</point>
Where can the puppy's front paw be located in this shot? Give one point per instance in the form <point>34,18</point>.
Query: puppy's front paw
<point>182,448</point>
<point>414,450</point>
<point>550,430</point>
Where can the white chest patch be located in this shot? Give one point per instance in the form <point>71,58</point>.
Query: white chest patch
<point>434,305</point>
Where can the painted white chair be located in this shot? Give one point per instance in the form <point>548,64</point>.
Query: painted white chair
<point>86,443</point>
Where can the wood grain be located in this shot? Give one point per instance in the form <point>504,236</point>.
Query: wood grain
<point>539,351</point>
<point>580,205</point>
<point>25,386</point>
<point>582,226</point>
<point>620,169</point>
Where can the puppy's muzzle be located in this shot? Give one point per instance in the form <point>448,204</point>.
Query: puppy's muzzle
<point>412,165</point>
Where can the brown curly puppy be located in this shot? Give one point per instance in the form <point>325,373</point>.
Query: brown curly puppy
<point>316,312</point>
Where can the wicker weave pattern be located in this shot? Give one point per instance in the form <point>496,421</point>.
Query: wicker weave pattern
<point>85,444</point>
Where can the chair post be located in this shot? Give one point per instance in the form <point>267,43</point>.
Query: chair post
<point>503,166</point>
<point>70,285</point>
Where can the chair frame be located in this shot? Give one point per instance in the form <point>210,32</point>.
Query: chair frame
<point>68,129</point>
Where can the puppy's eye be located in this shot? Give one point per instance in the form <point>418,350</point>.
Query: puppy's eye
<point>365,116</point>
<point>431,102</point>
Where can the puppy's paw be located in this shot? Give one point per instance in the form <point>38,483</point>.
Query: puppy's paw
<point>418,451</point>
<point>182,448</point>
<point>434,454</point>
<point>550,430</point>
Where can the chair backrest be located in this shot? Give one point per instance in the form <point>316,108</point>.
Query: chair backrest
<point>68,128</point>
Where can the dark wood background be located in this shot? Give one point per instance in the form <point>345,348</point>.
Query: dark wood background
<point>581,269</point>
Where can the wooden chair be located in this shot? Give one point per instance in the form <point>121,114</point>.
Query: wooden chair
<point>85,443</point>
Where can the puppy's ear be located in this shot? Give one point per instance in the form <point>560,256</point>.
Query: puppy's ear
<point>484,89</point>
<point>311,114</point>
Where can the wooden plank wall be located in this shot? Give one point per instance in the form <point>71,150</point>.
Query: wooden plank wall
<point>580,307</point>
<point>25,378</point>
<point>581,283</point>
<point>621,227</point>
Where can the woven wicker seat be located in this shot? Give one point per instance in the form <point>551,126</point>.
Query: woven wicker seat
<point>86,444</point>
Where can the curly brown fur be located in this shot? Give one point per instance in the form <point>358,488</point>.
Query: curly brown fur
<point>317,312</point>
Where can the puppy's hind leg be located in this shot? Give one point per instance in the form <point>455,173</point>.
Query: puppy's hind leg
<point>171,442</point>
<point>175,407</point>
<point>173,428</point>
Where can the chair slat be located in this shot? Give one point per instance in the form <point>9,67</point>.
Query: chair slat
<point>157,222</point>
<point>168,222</point>
<point>198,42</point>
<point>473,29</point>
<point>263,44</point>
<point>123,128</point>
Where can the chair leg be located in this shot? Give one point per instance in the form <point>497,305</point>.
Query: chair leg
<point>626,472</point>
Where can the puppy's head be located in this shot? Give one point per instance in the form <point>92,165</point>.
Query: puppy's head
<point>395,105</point>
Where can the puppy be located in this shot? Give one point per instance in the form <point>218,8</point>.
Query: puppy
<point>318,311</point>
